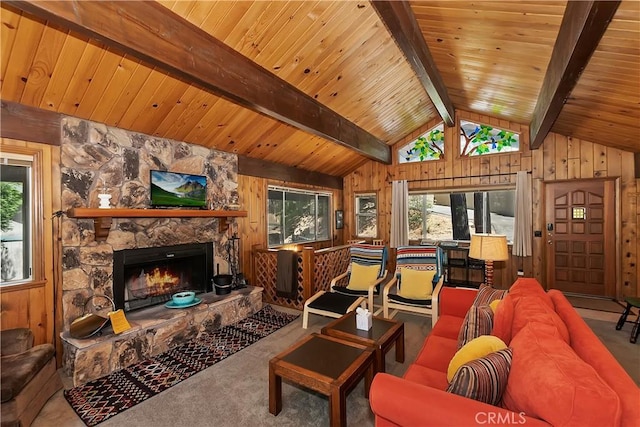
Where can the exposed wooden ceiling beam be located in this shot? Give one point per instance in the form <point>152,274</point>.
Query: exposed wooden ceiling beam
<point>26,123</point>
<point>399,19</point>
<point>583,24</point>
<point>264,169</point>
<point>156,35</point>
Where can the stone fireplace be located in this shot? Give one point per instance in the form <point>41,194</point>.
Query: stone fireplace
<point>96,158</point>
<point>149,276</point>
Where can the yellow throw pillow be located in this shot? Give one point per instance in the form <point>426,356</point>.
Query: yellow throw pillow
<point>474,349</point>
<point>416,284</point>
<point>494,305</point>
<point>362,276</point>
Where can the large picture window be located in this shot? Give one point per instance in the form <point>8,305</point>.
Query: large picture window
<point>297,216</point>
<point>366,215</point>
<point>15,224</point>
<point>457,215</point>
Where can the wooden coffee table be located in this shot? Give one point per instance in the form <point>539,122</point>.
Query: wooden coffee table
<point>384,333</point>
<point>325,364</point>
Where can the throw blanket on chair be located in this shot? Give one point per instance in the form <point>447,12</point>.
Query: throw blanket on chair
<point>287,277</point>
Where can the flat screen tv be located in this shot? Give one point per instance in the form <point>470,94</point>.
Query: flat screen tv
<point>172,189</point>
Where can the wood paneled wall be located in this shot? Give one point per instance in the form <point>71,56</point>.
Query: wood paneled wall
<point>560,158</point>
<point>31,305</point>
<point>252,229</point>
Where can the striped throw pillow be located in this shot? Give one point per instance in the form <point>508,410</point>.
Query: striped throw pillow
<point>486,294</point>
<point>478,321</point>
<point>483,379</point>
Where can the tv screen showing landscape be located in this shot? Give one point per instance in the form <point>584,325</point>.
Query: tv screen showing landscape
<point>178,189</point>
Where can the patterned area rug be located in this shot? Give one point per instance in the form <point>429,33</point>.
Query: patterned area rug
<point>101,399</point>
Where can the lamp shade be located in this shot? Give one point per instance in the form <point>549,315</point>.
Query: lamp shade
<point>489,247</point>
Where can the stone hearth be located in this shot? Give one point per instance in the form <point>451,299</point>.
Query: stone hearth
<point>154,330</point>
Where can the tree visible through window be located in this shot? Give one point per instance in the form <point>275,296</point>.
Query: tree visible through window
<point>457,215</point>
<point>15,221</point>
<point>478,139</point>
<point>296,216</point>
<point>366,215</point>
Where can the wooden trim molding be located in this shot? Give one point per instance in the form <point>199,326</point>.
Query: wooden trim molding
<point>153,33</point>
<point>583,25</point>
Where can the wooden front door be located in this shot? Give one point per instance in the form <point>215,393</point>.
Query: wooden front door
<point>580,236</point>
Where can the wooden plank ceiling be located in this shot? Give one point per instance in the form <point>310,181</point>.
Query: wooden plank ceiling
<point>492,57</point>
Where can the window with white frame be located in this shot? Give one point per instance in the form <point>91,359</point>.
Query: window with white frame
<point>456,215</point>
<point>297,216</point>
<point>366,213</point>
<point>15,212</point>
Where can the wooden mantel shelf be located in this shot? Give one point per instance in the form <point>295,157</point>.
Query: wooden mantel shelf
<point>102,217</point>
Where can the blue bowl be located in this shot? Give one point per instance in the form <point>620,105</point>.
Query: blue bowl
<point>182,298</point>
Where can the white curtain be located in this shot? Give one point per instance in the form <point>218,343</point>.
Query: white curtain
<point>522,240</point>
<point>399,214</point>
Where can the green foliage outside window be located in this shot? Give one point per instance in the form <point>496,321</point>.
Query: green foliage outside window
<point>10,203</point>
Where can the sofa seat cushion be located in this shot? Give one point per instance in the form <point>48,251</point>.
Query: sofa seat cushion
<point>437,352</point>
<point>447,327</point>
<point>19,369</point>
<point>549,381</point>
<point>426,376</point>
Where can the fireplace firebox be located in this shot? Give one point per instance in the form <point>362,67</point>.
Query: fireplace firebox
<point>149,276</point>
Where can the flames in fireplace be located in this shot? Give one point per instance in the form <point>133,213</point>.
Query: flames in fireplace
<point>148,276</point>
<point>160,281</point>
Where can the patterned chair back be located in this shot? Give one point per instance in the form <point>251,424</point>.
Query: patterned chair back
<point>365,254</point>
<point>427,257</point>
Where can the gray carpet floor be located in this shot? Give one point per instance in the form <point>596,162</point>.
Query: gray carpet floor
<point>234,392</point>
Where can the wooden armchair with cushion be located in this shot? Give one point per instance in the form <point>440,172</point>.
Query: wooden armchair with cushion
<point>416,283</point>
<point>28,376</point>
<point>366,271</point>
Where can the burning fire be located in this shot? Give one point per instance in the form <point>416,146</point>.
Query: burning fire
<point>158,282</point>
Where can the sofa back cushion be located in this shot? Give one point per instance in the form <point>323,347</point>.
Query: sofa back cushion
<point>503,319</point>
<point>533,309</point>
<point>527,287</point>
<point>590,349</point>
<point>548,380</point>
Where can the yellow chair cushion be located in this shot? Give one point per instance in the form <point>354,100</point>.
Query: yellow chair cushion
<point>362,276</point>
<point>416,284</point>
<point>474,349</point>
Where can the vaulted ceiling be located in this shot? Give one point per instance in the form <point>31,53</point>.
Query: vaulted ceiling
<point>325,85</point>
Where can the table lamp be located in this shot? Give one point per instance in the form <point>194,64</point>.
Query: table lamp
<point>489,248</point>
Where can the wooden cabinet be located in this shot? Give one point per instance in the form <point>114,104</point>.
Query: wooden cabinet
<point>460,270</point>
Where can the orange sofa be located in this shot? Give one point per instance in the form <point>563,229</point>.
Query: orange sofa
<point>561,374</point>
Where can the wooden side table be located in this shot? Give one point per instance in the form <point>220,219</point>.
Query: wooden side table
<point>384,333</point>
<point>325,364</point>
